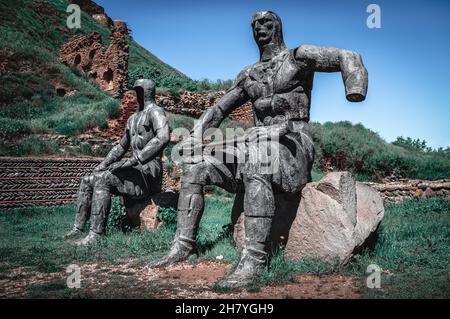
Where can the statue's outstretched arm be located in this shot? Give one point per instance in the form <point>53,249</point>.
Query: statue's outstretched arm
<point>118,151</point>
<point>330,59</point>
<point>159,141</point>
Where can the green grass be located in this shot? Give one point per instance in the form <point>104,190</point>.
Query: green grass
<point>369,157</point>
<point>28,100</point>
<point>412,249</point>
<point>29,146</point>
<point>37,237</point>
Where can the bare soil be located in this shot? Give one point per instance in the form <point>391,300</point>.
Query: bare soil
<point>183,281</point>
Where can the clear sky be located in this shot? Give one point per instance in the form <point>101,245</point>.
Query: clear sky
<point>408,59</point>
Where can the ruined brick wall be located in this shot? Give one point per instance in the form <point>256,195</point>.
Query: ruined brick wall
<point>27,182</point>
<point>194,104</point>
<point>187,103</point>
<point>116,59</point>
<point>107,67</point>
<point>394,192</point>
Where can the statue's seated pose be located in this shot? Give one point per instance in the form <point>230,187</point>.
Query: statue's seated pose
<point>147,134</point>
<point>279,87</point>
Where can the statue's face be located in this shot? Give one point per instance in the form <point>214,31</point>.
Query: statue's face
<point>263,28</point>
<point>140,96</point>
<point>145,91</point>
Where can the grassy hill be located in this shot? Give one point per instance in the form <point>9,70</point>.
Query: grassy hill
<point>31,35</point>
<point>344,146</point>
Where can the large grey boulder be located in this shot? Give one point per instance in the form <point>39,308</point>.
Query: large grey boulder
<point>335,218</point>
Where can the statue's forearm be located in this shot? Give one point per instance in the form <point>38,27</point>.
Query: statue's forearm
<point>114,155</point>
<point>213,116</point>
<point>354,75</point>
<point>152,149</point>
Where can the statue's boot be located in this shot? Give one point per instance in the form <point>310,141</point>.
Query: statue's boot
<point>83,209</point>
<point>254,257</point>
<point>101,204</point>
<point>190,211</point>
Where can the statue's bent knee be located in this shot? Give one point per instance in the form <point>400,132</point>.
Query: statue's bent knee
<point>196,174</point>
<point>103,180</point>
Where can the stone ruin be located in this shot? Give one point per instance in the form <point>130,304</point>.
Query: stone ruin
<point>195,104</point>
<point>108,67</point>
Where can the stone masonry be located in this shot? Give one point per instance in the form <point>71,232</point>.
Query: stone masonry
<point>107,67</point>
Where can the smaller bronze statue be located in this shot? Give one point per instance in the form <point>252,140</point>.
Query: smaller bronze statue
<point>147,134</point>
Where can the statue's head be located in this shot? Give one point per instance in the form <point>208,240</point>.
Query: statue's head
<point>145,91</point>
<point>267,29</point>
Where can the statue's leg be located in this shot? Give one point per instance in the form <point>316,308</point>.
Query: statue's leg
<point>101,204</point>
<point>130,182</point>
<point>83,206</point>
<point>259,207</point>
<point>190,209</point>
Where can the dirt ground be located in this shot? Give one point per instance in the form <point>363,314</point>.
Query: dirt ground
<point>184,281</point>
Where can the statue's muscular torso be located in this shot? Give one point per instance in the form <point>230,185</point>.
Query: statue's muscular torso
<point>280,89</point>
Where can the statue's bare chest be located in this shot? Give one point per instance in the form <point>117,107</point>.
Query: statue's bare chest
<point>280,74</point>
<point>279,89</point>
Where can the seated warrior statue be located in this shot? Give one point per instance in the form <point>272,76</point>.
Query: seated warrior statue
<point>147,134</point>
<point>279,87</point>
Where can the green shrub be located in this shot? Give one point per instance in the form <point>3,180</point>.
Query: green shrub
<point>168,215</point>
<point>363,152</point>
<point>29,146</point>
<point>116,216</point>
<point>10,128</point>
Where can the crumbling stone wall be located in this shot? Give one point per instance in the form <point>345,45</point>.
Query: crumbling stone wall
<point>107,67</point>
<point>194,104</point>
<point>27,181</point>
<point>394,192</point>
<point>187,103</point>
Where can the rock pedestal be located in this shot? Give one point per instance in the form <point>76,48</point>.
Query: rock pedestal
<point>336,217</point>
<point>143,213</point>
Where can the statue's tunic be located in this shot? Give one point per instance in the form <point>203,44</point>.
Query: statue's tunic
<point>280,91</point>
<point>146,178</point>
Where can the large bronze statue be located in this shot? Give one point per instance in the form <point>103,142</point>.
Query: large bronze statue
<point>147,134</point>
<point>279,87</point>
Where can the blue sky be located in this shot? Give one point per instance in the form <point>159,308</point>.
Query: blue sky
<point>408,59</point>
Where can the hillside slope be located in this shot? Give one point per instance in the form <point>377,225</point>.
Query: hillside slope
<point>31,35</point>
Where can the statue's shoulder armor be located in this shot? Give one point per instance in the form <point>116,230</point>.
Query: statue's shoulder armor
<point>305,52</point>
<point>157,116</point>
<point>130,121</point>
<point>243,75</point>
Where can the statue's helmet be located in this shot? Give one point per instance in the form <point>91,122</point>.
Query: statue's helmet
<point>145,91</point>
<point>267,29</point>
